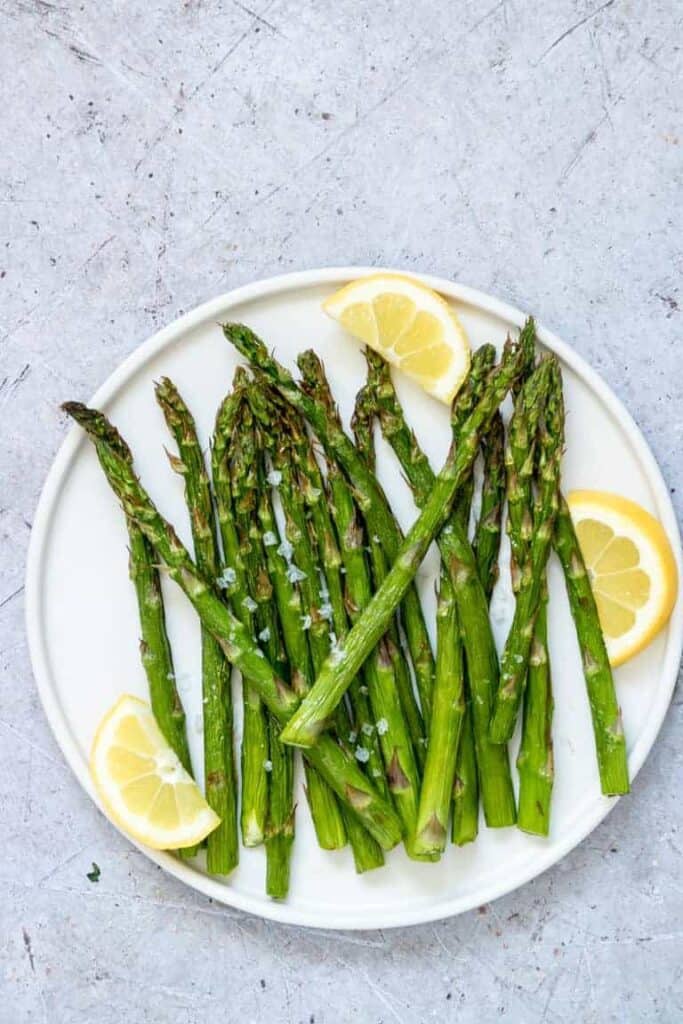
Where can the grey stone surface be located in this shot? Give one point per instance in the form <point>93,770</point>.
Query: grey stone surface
<point>157,153</point>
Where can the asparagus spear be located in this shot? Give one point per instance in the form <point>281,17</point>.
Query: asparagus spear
<point>333,599</point>
<point>309,537</point>
<point>487,533</point>
<point>608,728</point>
<point>394,738</point>
<point>369,494</point>
<point>486,548</point>
<point>515,660</point>
<point>332,825</point>
<point>315,383</point>
<point>290,580</point>
<point>462,588</point>
<point>385,685</point>
<point>280,824</point>
<point>535,758</point>
<point>220,784</point>
<point>338,671</point>
<point>445,727</point>
<point>465,824</point>
<point>341,773</point>
<point>255,745</point>
<point>155,649</point>
<point>281,806</point>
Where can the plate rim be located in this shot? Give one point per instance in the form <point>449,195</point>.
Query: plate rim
<point>58,472</point>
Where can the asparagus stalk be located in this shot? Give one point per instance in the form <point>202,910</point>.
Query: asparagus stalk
<point>369,494</point>
<point>608,728</point>
<point>486,548</point>
<point>515,660</point>
<point>378,681</point>
<point>535,758</point>
<point>338,671</point>
<point>391,730</point>
<point>341,773</point>
<point>465,827</point>
<point>309,529</point>
<point>449,695</point>
<point>465,824</point>
<point>446,725</point>
<point>487,532</point>
<point>289,580</point>
<point>220,784</point>
<point>255,744</point>
<point>317,498</point>
<point>320,539</point>
<point>462,588</point>
<point>535,762</point>
<point>155,648</point>
<point>315,383</point>
<point>281,806</point>
<point>280,824</point>
<point>332,825</point>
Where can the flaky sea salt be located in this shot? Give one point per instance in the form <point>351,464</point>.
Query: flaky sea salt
<point>269,539</point>
<point>274,478</point>
<point>306,621</point>
<point>286,550</point>
<point>362,755</point>
<point>268,766</point>
<point>264,635</point>
<point>226,578</point>
<point>250,604</point>
<point>382,727</point>
<point>337,653</point>
<point>295,574</point>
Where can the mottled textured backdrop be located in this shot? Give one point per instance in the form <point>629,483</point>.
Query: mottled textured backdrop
<point>155,154</point>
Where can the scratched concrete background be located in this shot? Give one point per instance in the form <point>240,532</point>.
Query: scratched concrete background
<point>154,154</point>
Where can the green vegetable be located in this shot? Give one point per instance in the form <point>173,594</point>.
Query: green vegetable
<point>608,727</point>
<point>515,660</point>
<point>343,776</point>
<point>535,758</point>
<point>316,385</point>
<point>279,826</point>
<point>306,724</point>
<point>464,590</point>
<point>367,491</point>
<point>220,783</point>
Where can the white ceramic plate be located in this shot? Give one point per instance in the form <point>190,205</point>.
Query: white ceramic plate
<point>82,619</point>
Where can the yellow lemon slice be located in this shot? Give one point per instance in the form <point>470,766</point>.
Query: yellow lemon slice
<point>632,569</point>
<point>410,325</point>
<point>142,784</point>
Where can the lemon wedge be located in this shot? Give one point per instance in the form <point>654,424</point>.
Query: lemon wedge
<point>632,569</point>
<point>141,782</point>
<point>410,325</point>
